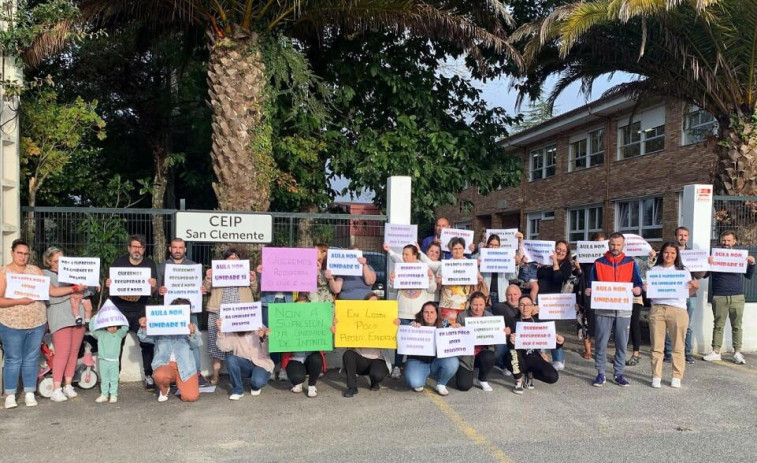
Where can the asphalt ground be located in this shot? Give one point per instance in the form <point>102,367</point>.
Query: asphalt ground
<point>713,417</point>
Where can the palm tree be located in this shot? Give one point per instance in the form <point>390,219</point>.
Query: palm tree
<point>237,79</point>
<point>703,52</point>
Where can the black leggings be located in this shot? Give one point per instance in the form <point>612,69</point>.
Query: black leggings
<point>635,334</point>
<point>312,367</point>
<point>484,362</point>
<point>148,349</point>
<point>355,364</point>
<point>532,363</point>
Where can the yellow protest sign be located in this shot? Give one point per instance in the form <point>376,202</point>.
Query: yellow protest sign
<point>366,324</point>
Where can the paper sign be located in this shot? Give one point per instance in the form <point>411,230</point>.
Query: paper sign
<point>344,262</point>
<point>667,284</point>
<point>366,324</point>
<point>79,270</point>
<point>230,272</point>
<point>507,239</point>
<point>242,316</point>
<point>729,260</point>
<point>399,236</point>
<point>449,233</point>
<point>167,319</point>
<point>411,276</point>
<point>300,327</point>
<point>487,331</point>
<point>289,269</point>
<point>535,335</point>
<point>559,306</point>
<point>109,315</point>
<point>459,272</point>
<point>695,260</point>
<point>416,341</point>
<point>589,251</point>
<point>611,296</point>
<point>636,246</point>
<point>451,342</point>
<point>130,281</point>
<point>497,260</point>
<point>184,282</point>
<point>22,285</point>
<point>539,251</point>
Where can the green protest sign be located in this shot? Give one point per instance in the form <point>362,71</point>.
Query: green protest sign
<point>297,327</point>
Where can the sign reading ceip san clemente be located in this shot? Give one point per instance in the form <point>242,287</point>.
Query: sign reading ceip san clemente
<point>220,227</point>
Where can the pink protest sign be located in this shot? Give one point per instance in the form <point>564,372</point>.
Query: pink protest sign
<point>289,269</point>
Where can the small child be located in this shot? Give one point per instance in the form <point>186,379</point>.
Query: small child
<point>108,352</point>
<point>527,274</point>
<point>77,298</point>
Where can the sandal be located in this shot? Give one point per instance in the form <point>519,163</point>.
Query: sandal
<point>633,361</point>
<point>587,355</point>
<point>214,380</point>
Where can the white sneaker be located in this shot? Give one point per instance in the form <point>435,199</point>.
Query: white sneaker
<point>235,396</point>
<point>675,382</point>
<point>712,356</point>
<point>656,382</point>
<point>70,392</point>
<point>418,389</point>
<point>738,358</point>
<point>485,386</point>
<point>10,401</point>
<point>396,373</point>
<point>297,388</point>
<point>30,400</point>
<point>114,399</point>
<point>558,365</point>
<point>161,397</point>
<point>58,396</point>
<point>255,391</point>
<point>442,389</point>
<point>312,391</point>
<point>101,399</point>
<point>283,375</point>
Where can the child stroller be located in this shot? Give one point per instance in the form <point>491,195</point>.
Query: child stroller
<point>85,375</point>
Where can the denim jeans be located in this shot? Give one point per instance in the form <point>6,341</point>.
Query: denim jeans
<point>416,371</point>
<point>398,357</point>
<point>605,326</point>
<point>558,355</point>
<point>689,333</point>
<point>500,353</point>
<point>21,348</point>
<point>240,368</point>
<point>196,349</point>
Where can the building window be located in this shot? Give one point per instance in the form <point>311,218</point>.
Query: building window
<point>542,163</point>
<point>645,135</point>
<point>534,221</point>
<point>588,152</point>
<point>698,124</point>
<point>583,222</point>
<point>642,217</point>
<point>465,225</point>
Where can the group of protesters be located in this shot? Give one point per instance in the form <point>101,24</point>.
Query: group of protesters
<point>175,359</point>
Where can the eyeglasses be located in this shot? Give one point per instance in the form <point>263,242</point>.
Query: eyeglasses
<point>525,305</point>
<point>137,247</point>
<point>22,253</point>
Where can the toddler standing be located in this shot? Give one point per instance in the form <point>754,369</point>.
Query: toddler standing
<point>109,327</point>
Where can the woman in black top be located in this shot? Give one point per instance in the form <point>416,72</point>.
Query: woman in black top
<point>551,280</point>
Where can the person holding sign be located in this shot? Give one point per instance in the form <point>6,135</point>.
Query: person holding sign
<point>552,280</point>
<point>22,325</point>
<point>586,319</point>
<point>483,358</point>
<point>440,224</point>
<point>454,298</point>
<point>109,335</point>
<point>328,285</point>
<point>418,367</point>
<point>497,282</point>
<point>668,314</point>
<point>728,302</point>
<point>248,358</point>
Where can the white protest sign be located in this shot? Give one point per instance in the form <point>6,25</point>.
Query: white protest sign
<point>109,315</point>
<point>399,236</point>
<point>499,260</point>
<point>22,285</point>
<point>79,270</point>
<point>729,260</point>
<point>611,296</point>
<point>667,284</point>
<point>451,342</point>
<point>487,330</point>
<point>459,272</point>
<point>559,306</point>
<point>184,282</point>
<point>507,238</point>
<point>230,272</point>
<point>416,341</point>
<point>130,281</point>
<point>539,251</point>
<point>410,276</point>
<point>167,319</point>
<point>589,251</point>
<point>535,335</point>
<point>449,233</point>
<point>242,316</point>
<point>695,260</point>
<point>636,246</point>
<point>344,262</point>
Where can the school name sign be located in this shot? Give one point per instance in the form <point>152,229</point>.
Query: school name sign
<point>221,227</point>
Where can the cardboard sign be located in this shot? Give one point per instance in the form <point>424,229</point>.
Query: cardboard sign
<point>695,260</point>
<point>589,251</point>
<point>411,276</point>
<point>230,272</point>
<point>399,236</point>
<point>487,331</point>
<point>539,251</point>
<point>130,281</point>
<point>300,327</point>
<point>184,282</point>
<point>79,270</point>
<point>559,306</point>
<point>344,262</point>
<point>449,233</point>
<point>459,272</point>
<point>729,260</point>
<point>497,260</point>
<point>452,342</point>
<point>636,246</point>
<point>535,335</point>
<point>109,315</point>
<point>611,296</point>
<point>366,324</point>
<point>507,238</point>
<point>289,269</point>
<point>242,316</point>
<point>167,319</point>
<point>416,341</point>
<point>22,285</point>
<point>667,284</point>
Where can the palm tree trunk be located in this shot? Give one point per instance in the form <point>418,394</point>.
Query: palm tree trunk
<point>159,153</point>
<point>736,173</point>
